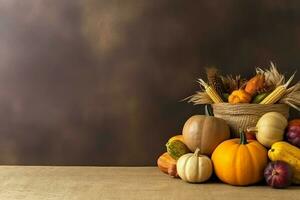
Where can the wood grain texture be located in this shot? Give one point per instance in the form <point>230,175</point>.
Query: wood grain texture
<point>76,183</point>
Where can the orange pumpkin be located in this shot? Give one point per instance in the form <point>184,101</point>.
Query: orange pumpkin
<point>239,96</point>
<point>240,162</point>
<point>254,84</point>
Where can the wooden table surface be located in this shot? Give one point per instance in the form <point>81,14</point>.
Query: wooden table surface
<point>101,183</point>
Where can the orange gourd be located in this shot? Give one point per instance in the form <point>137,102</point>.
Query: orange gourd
<point>294,122</point>
<point>167,164</point>
<point>240,162</point>
<point>254,84</point>
<point>239,96</point>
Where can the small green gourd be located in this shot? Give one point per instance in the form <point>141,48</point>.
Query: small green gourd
<point>258,98</point>
<point>176,149</point>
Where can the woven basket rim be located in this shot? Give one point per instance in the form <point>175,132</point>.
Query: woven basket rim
<point>249,109</point>
<point>249,105</point>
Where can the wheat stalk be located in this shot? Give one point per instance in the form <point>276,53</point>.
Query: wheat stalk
<point>232,83</point>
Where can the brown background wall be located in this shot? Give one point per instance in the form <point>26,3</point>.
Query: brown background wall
<point>99,82</point>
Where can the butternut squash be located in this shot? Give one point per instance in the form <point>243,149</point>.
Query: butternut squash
<point>286,152</point>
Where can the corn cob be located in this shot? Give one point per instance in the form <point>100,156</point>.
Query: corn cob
<point>211,92</point>
<point>278,93</point>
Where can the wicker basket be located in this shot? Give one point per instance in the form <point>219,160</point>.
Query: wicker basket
<point>245,115</point>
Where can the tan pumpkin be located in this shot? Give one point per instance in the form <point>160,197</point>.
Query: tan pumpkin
<point>205,133</point>
<point>194,168</point>
<point>270,128</point>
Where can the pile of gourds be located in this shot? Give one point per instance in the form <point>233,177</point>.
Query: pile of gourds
<point>268,151</point>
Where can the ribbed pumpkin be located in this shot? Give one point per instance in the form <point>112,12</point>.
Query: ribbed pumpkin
<point>240,162</point>
<point>205,133</point>
<point>270,128</point>
<point>194,168</point>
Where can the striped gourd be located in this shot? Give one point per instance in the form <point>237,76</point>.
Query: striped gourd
<point>211,92</point>
<point>276,95</point>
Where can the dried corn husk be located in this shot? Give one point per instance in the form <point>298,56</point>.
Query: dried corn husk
<point>215,97</point>
<point>278,93</point>
<point>292,96</point>
<point>201,97</point>
<point>273,78</point>
<point>214,80</point>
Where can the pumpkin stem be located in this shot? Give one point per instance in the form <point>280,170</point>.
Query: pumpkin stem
<point>197,152</point>
<point>243,137</point>
<point>252,129</point>
<point>208,110</point>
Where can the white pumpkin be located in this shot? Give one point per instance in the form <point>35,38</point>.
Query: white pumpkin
<point>193,167</point>
<point>270,128</point>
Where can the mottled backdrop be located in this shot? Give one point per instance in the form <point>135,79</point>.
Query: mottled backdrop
<point>98,82</point>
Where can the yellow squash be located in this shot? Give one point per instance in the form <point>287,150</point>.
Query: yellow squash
<point>286,152</point>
